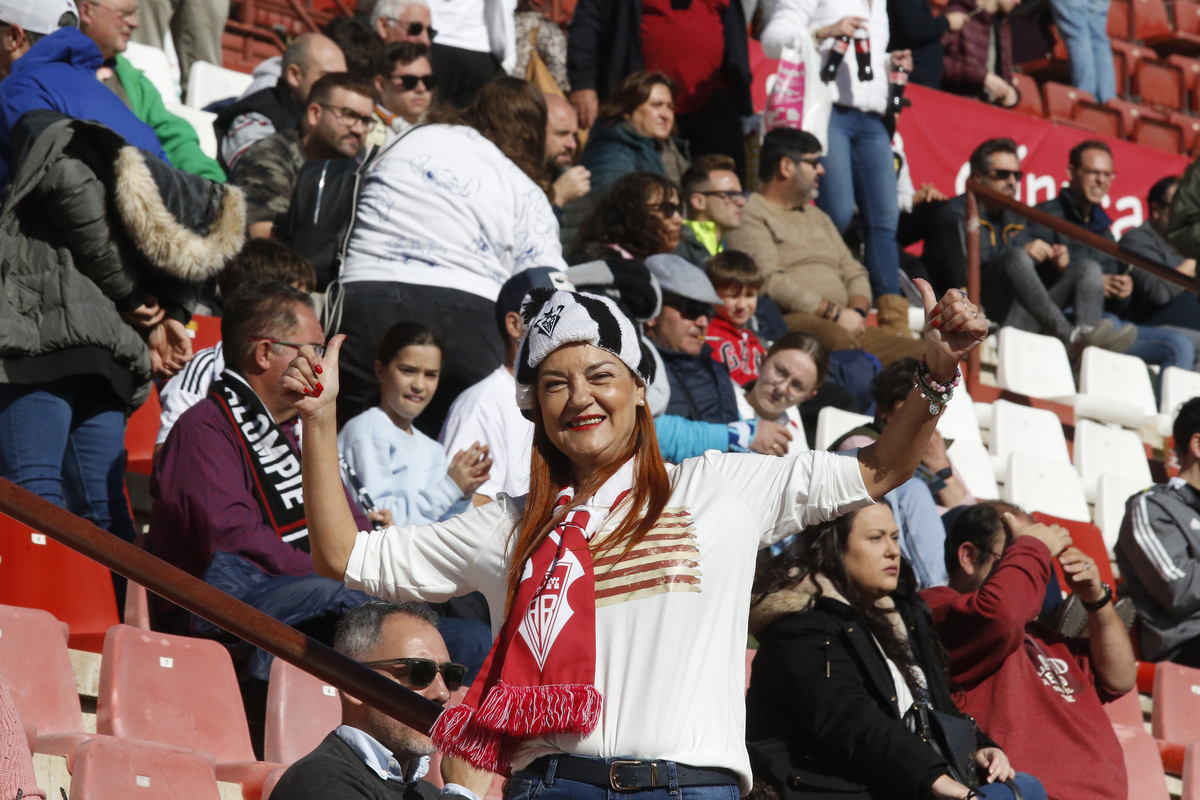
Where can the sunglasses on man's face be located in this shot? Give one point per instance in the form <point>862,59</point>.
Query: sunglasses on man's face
<point>688,309</point>
<point>1005,174</point>
<point>409,82</point>
<point>420,672</point>
<point>414,28</point>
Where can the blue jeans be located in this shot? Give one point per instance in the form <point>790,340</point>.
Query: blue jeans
<point>922,534</point>
<point>1030,786</point>
<point>65,442</point>
<point>529,785</point>
<point>859,170</point>
<point>1161,346</point>
<point>1083,26</point>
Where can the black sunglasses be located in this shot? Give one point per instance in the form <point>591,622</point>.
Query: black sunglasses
<point>414,28</point>
<point>422,671</point>
<point>409,82</point>
<point>667,209</point>
<point>687,308</point>
<point>1005,174</point>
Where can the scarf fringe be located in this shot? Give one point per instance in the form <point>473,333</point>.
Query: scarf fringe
<point>487,738</point>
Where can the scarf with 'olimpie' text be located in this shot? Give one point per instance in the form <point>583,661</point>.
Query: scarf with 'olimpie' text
<point>274,460</point>
<point>539,677</point>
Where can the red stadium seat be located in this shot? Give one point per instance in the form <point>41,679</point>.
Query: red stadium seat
<point>1189,66</point>
<point>1160,85</point>
<point>1119,19</point>
<point>1187,17</point>
<point>38,572</point>
<point>1125,710</point>
<point>1132,112</point>
<point>36,667</point>
<point>1097,119</point>
<point>1134,54</point>
<point>137,606</point>
<point>147,691</point>
<point>1175,712</point>
<point>1031,99</point>
<point>140,433</point>
<point>107,769</point>
<point>1189,125</point>
<point>1151,26</point>
<point>207,331</point>
<point>1150,21</point>
<point>1146,778</point>
<point>1060,100</point>
<point>1087,537</point>
<point>301,711</point>
<point>1120,74</point>
<point>1159,135</point>
<point>1191,772</point>
<point>272,779</point>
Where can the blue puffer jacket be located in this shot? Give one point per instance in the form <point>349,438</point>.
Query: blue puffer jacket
<point>59,74</point>
<point>701,388</point>
<point>613,151</point>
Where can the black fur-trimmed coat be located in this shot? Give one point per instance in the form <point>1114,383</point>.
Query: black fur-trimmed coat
<point>90,226</point>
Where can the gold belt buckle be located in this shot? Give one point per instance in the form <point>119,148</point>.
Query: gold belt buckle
<point>612,774</point>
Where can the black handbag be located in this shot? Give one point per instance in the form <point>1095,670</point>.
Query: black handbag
<point>954,738</point>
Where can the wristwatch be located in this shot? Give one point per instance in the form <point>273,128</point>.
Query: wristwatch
<point>1092,608</point>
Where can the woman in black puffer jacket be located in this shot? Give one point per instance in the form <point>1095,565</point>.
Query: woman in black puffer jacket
<point>846,647</point>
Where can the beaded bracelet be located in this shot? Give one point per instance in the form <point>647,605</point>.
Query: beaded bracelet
<point>938,394</point>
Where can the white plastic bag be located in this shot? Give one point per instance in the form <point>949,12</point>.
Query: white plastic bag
<point>796,96</point>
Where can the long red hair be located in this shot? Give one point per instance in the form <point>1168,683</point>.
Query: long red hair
<point>550,470</point>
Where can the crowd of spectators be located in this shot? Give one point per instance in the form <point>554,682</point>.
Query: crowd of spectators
<point>460,187</point>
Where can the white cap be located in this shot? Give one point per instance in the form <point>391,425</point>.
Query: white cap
<point>36,16</point>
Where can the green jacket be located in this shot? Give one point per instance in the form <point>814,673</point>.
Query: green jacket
<point>176,135</point>
<point>706,234</point>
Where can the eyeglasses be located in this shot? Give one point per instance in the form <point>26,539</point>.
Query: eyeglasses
<point>666,209</point>
<point>688,308</point>
<point>409,82</point>
<point>1005,174</point>
<point>1097,173</point>
<point>414,28</point>
<point>812,161</point>
<point>124,16</point>
<point>422,671</point>
<point>319,348</point>
<point>729,194</point>
<point>350,117</point>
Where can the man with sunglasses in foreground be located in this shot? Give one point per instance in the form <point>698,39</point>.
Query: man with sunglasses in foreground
<point>340,113</point>
<point>1027,281</point>
<point>371,755</point>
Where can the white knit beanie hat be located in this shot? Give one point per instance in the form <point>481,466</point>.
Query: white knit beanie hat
<point>554,319</point>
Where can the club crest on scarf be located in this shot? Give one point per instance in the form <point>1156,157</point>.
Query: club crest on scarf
<point>539,676</point>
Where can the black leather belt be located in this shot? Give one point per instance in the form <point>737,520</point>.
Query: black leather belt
<point>627,775</point>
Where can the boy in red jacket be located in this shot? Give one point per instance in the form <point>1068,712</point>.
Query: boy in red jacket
<point>737,280</point>
<point>1034,691</point>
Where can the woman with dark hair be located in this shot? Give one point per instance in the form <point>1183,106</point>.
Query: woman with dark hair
<point>848,660</point>
<point>619,587</point>
<point>633,132</point>
<point>638,217</point>
<point>444,217</point>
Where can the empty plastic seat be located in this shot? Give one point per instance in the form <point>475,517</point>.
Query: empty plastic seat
<point>958,419</point>
<point>1159,135</point>
<point>1190,67</point>
<point>1039,484</point>
<point>974,465</point>
<point>301,711</point>
<point>1175,710</point>
<point>1114,387</point>
<point>1125,710</point>
<point>208,83</point>
<point>1159,84</point>
<point>1150,25</point>
<point>147,691</point>
<point>1189,125</point>
<point>1120,74</point>
<point>832,423</point>
<point>1178,386</point>
<point>1060,100</point>
<point>107,769</point>
<point>140,432</point>
<point>1132,112</point>
<point>38,572</point>
<point>1187,17</point>
<point>273,778</point>
<point>1033,365</point>
<point>1119,18</point>
<point>1098,119</point>
<point>1101,449</point>
<point>1022,429</point>
<point>1147,781</point>
<point>137,606</point>
<point>1112,493</point>
<point>36,667</point>
<point>156,66</point>
<point>1133,53</point>
<point>1031,99</point>
<point>1087,537</point>
<point>202,122</point>
<point>1191,772</point>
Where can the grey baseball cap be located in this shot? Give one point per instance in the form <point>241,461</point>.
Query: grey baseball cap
<point>676,275</point>
<point>36,16</point>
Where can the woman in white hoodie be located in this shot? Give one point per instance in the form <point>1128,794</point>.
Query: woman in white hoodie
<point>858,165</point>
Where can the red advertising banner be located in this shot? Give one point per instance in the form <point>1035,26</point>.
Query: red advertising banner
<point>940,130</point>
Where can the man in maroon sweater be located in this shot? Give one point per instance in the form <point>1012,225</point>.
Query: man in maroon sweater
<point>1037,693</point>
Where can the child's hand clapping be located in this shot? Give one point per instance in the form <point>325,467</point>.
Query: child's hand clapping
<point>471,468</point>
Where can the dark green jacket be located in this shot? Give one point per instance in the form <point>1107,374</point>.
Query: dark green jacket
<point>176,135</point>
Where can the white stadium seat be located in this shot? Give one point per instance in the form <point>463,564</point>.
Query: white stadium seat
<point>1105,449</point>
<point>958,420</point>
<point>1021,429</point>
<point>202,121</point>
<point>1033,365</point>
<point>1111,493</point>
<point>208,83</point>
<point>156,66</point>
<point>1114,387</point>
<point>833,422</point>
<point>1039,484</point>
<point>1178,386</point>
<point>974,466</point>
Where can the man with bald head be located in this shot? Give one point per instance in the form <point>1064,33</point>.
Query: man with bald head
<point>279,107</point>
<point>372,755</point>
<point>403,21</point>
<point>562,143</point>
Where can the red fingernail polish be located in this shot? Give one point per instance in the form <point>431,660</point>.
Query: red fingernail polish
<point>934,324</point>
<point>306,391</point>
<point>316,394</point>
<point>318,369</point>
<point>959,327</point>
<point>321,388</point>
